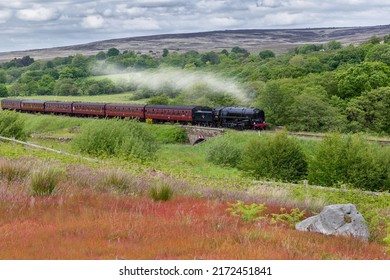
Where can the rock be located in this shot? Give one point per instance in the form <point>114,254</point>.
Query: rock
<point>338,219</point>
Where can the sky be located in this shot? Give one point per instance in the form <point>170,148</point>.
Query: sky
<point>32,24</point>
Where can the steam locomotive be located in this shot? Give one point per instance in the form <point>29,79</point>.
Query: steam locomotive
<point>227,117</point>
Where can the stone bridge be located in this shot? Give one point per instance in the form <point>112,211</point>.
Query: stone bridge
<point>197,134</point>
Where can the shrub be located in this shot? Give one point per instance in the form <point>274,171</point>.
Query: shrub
<point>223,152</point>
<point>125,138</point>
<point>11,125</point>
<point>247,212</point>
<point>168,134</point>
<point>274,157</point>
<point>43,181</point>
<point>161,192</point>
<point>351,160</point>
<point>289,219</point>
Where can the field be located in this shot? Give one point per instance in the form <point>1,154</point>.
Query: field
<point>105,210</point>
<point>85,219</point>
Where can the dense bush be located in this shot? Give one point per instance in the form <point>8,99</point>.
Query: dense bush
<point>351,160</point>
<point>11,125</point>
<point>223,152</point>
<point>124,138</point>
<point>274,157</point>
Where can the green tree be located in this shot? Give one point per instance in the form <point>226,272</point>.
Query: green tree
<point>46,85</point>
<point>386,39</point>
<point>65,87</point>
<point>242,51</point>
<point>3,91</point>
<point>312,112</point>
<point>210,58</point>
<point>3,76</point>
<point>379,53</point>
<point>101,55</point>
<point>375,40</point>
<point>276,100</point>
<point>333,45</point>
<point>113,52</point>
<point>266,54</point>
<point>371,110</point>
<point>363,77</point>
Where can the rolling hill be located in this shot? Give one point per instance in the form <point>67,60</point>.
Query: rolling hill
<point>254,40</point>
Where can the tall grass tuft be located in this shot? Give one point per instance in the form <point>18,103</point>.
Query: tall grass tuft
<point>43,181</point>
<point>162,192</point>
<point>121,182</point>
<point>13,170</point>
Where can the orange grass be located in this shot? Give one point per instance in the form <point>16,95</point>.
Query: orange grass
<point>85,224</point>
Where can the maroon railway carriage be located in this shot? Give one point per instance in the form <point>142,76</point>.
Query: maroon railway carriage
<point>182,114</point>
<point>9,104</point>
<point>89,109</point>
<point>58,107</point>
<point>32,106</point>
<point>125,110</point>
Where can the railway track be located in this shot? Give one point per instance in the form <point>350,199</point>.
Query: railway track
<point>319,136</point>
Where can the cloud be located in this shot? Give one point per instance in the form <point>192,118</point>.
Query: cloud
<point>93,22</point>
<point>38,14</point>
<point>71,21</point>
<point>5,15</point>
<point>270,3</point>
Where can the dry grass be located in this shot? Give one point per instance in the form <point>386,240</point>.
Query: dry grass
<point>88,218</point>
<point>90,225</point>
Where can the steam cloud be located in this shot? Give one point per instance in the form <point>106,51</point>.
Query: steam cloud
<point>183,80</point>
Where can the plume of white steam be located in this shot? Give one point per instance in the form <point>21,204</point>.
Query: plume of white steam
<point>183,80</point>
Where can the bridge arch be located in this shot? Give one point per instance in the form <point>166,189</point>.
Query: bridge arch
<point>198,134</point>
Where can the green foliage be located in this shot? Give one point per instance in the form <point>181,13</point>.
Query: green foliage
<point>247,212</point>
<point>3,91</point>
<point>371,111</point>
<point>350,160</point>
<point>161,192</point>
<point>311,111</point>
<point>333,45</point>
<point>289,219</point>
<point>363,77</point>
<point>266,54</point>
<point>379,53</point>
<point>11,125</point>
<point>276,100</point>
<point>44,180</point>
<point>274,157</point>
<point>168,134</point>
<point>112,52</point>
<point>223,152</point>
<point>124,138</point>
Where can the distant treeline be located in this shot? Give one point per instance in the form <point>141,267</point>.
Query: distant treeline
<point>327,87</point>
